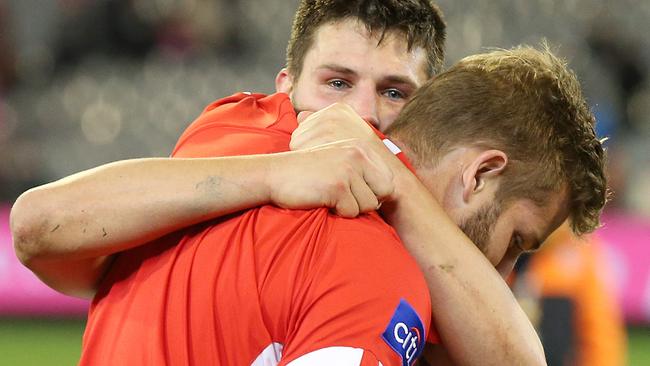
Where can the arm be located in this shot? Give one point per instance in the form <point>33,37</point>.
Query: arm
<point>66,231</point>
<point>477,317</point>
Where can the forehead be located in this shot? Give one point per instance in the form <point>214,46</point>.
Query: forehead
<point>349,42</point>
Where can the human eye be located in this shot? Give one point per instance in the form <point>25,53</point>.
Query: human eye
<point>394,94</point>
<point>338,84</point>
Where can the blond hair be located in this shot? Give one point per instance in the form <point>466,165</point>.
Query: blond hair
<point>527,103</point>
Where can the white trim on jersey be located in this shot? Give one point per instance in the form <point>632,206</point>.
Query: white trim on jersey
<point>340,356</point>
<point>392,147</point>
<point>270,356</point>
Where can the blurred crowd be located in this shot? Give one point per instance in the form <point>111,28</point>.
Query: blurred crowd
<point>89,81</point>
<point>85,82</point>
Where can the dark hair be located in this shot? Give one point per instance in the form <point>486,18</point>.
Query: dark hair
<point>420,21</point>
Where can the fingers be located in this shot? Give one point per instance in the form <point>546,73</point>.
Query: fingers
<point>358,178</point>
<point>305,136</point>
<point>365,197</point>
<point>357,198</point>
<point>302,116</point>
<point>370,181</point>
<point>307,133</point>
<point>345,203</point>
<point>378,176</point>
<point>334,123</point>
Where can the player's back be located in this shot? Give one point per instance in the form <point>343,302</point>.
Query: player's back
<point>265,286</point>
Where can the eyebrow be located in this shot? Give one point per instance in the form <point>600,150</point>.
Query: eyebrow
<point>337,68</point>
<point>393,79</point>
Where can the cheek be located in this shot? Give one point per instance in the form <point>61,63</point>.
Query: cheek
<point>307,97</point>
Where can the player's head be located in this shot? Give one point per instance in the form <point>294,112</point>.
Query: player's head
<point>506,141</point>
<point>371,54</point>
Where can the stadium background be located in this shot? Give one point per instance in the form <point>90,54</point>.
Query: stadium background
<point>85,82</point>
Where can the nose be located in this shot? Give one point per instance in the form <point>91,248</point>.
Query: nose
<point>366,103</point>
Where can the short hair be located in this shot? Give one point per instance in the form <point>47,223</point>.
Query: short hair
<point>527,103</point>
<point>420,21</point>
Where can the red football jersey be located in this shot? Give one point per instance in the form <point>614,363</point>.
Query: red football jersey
<point>267,286</point>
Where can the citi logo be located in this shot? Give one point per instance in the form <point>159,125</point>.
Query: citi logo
<point>405,333</point>
<point>409,339</point>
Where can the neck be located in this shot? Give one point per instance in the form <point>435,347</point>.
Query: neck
<point>425,172</point>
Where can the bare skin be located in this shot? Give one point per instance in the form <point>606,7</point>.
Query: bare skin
<point>64,231</point>
<point>456,281</point>
<point>118,206</point>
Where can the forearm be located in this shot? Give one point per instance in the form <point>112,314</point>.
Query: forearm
<point>476,315</point>
<point>85,217</point>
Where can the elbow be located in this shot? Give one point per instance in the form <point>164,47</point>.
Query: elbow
<point>538,362</point>
<point>28,223</point>
<point>536,358</point>
<point>541,361</point>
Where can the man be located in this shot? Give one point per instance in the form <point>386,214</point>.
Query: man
<point>63,231</point>
<point>273,286</point>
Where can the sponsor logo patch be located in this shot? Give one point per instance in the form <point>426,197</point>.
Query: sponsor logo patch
<point>405,333</point>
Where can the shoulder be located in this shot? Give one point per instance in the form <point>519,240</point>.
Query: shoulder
<point>367,291</point>
<point>246,109</point>
<point>367,230</point>
<point>243,123</point>
<point>368,254</point>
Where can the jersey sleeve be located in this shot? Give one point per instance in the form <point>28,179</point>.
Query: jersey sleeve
<point>243,124</point>
<point>368,295</point>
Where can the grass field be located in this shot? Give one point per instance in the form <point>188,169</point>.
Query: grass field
<point>32,342</point>
<point>39,342</point>
<point>639,346</point>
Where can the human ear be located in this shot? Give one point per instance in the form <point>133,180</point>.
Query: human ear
<point>486,165</point>
<point>284,81</point>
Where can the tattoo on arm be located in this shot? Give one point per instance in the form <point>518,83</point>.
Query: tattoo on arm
<point>210,184</point>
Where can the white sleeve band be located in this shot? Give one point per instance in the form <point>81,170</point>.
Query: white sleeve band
<point>392,147</point>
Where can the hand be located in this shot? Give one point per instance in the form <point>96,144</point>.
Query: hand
<point>346,176</point>
<point>334,123</point>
